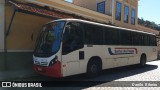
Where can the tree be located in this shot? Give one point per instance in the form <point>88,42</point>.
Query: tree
<point>148,24</point>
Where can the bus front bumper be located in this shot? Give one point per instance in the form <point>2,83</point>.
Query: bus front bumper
<point>51,71</point>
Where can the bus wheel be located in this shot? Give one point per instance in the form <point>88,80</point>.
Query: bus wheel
<point>143,60</point>
<point>94,68</point>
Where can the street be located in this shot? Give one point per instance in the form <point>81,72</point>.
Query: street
<point>122,78</point>
<point>122,75</point>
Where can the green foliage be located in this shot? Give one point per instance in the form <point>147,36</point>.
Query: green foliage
<point>149,24</point>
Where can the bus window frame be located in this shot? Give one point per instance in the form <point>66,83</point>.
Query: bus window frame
<point>82,31</point>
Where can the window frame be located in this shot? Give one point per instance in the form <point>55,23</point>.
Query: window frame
<point>126,13</point>
<point>133,17</point>
<point>65,52</point>
<point>111,36</point>
<point>100,4</point>
<point>118,13</point>
<point>126,37</point>
<point>90,31</point>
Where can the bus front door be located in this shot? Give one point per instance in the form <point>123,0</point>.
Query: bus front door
<point>72,48</point>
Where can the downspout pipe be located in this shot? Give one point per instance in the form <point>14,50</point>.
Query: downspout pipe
<point>7,30</point>
<point>11,21</point>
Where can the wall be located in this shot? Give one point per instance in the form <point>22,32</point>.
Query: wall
<point>131,4</point>
<point>92,4</point>
<point>86,3</point>
<point>19,44</point>
<point>73,9</point>
<point>22,28</point>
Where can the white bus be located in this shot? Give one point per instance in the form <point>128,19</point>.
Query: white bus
<point>71,46</point>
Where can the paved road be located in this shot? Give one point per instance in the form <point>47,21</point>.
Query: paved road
<point>119,76</point>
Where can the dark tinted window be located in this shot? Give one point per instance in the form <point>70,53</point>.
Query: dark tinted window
<point>118,11</point>
<point>126,14</point>
<point>137,39</point>
<point>111,36</point>
<point>133,16</point>
<point>101,7</point>
<point>145,40</point>
<point>73,37</point>
<point>140,39</point>
<point>93,34</point>
<point>153,41</point>
<point>125,37</point>
<point>99,35</point>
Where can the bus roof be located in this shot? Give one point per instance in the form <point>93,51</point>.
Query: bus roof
<point>89,22</point>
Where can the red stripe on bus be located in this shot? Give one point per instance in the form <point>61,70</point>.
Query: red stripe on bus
<point>51,71</point>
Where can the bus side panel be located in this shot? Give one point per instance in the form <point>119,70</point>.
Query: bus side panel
<point>149,51</point>
<point>152,55</point>
<point>92,51</point>
<point>121,56</point>
<point>70,64</point>
<point>98,51</point>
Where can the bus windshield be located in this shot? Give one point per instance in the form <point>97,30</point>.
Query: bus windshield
<point>49,40</point>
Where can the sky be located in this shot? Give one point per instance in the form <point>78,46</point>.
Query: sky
<point>69,0</point>
<point>148,10</point>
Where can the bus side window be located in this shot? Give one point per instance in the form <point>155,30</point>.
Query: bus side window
<point>136,39</point>
<point>146,40</point>
<point>93,34</point>
<point>72,38</point>
<point>111,36</point>
<point>152,40</point>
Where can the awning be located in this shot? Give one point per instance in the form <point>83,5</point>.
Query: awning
<point>40,11</point>
<point>30,8</point>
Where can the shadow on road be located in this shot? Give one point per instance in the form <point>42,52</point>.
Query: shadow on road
<point>106,76</point>
<point>122,72</point>
<point>110,74</point>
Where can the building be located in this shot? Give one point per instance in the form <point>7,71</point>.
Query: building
<point>124,13</point>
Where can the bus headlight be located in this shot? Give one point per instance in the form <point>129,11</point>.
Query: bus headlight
<point>53,61</point>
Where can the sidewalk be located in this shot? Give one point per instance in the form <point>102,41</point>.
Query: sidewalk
<point>13,75</point>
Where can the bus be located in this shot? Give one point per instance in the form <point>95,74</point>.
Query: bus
<point>68,47</point>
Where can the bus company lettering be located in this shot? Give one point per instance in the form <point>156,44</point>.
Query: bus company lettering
<point>127,51</point>
<point>120,51</point>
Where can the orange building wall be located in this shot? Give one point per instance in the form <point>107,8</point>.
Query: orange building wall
<point>22,28</point>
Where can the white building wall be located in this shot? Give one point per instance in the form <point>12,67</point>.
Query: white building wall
<point>2,14</point>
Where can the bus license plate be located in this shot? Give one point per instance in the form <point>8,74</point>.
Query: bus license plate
<point>39,69</point>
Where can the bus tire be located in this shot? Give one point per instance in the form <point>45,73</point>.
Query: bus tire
<point>94,68</point>
<point>143,60</point>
